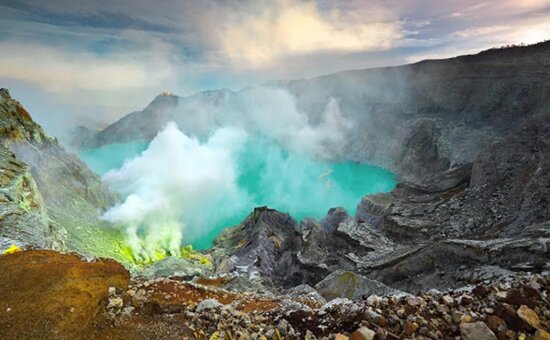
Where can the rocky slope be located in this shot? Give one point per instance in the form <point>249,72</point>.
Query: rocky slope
<point>49,295</point>
<point>51,198</point>
<point>23,218</point>
<point>485,220</point>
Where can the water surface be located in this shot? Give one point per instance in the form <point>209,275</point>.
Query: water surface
<point>268,175</point>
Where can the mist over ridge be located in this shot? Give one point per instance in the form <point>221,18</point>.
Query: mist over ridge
<point>373,113</point>
<point>187,189</point>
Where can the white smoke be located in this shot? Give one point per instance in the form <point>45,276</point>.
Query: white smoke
<point>171,185</point>
<point>271,112</point>
<point>274,112</point>
<point>181,188</point>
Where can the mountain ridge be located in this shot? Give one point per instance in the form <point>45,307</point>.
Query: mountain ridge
<point>459,248</point>
<point>455,106</point>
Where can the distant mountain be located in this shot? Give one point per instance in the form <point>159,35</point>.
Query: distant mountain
<point>413,119</point>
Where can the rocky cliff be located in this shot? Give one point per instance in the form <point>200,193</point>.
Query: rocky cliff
<point>429,115</point>
<point>468,137</point>
<point>54,188</point>
<point>24,220</point>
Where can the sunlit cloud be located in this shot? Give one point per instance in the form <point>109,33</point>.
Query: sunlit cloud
<point>296,27</point>
<point>59,71</point>
<point>118,55</point>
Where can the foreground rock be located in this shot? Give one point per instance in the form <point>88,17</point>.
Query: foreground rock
<point>48,295</point>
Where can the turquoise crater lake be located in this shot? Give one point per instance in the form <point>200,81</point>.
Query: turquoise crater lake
<point>268,175</point>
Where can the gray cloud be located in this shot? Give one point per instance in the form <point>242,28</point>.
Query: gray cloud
<point>121,53</point>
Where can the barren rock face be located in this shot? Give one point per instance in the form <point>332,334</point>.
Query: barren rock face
<point>264,244</point>
<point>24,219</point>
<point>71,195</point>
<point>46,294</point>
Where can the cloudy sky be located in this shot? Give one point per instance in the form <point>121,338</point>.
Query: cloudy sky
<point>68,59</point>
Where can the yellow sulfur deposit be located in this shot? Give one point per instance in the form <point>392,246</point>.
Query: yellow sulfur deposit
<point>12,249</point>
<point>187,252</point>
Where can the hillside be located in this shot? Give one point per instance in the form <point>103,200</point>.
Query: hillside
<point>51,195</point>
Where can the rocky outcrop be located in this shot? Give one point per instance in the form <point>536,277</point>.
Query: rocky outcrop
<point>71,195</point>
<point>16,124</point>
<point>340,248</point>
<point>264,245</point>
<point>270,246</point>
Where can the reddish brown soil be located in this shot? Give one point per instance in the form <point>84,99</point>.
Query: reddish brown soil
<point>48,295</point>
<point>45,294</point>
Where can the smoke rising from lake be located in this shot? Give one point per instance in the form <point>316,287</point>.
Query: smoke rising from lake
<point>185,190</point>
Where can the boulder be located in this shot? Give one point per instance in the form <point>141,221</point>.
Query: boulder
<point>207,305</point>
<point>476,331</point>
<point>302,291</point>
<point>529,316</point>
<point>342,284</point>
